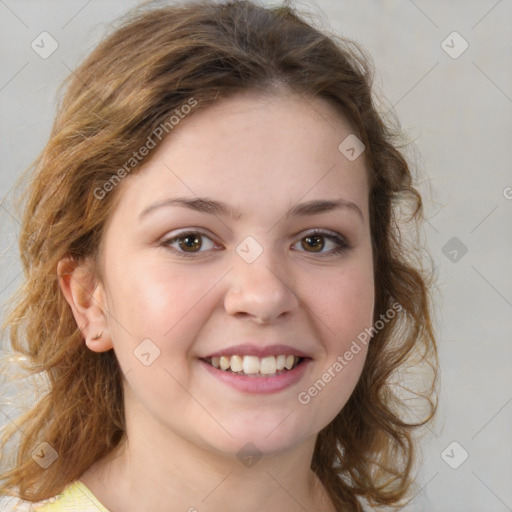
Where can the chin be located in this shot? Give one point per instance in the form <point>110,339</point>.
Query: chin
<point>264,437</point>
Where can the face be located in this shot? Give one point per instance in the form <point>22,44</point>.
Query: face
<point>243,244</point>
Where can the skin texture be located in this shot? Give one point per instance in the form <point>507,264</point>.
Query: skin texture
<point>261,155</point>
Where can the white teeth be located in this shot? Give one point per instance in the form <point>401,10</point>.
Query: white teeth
<point>268,365</point>
<point>251,365</point>
<point>236,364</point>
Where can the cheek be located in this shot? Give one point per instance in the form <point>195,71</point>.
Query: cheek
<point>344,309</point>
<point>150,297</point>
<point>152,302</point>
<point>160,302</point>
<point>343,304</point>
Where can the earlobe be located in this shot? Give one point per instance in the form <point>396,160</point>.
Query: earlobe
<point>85,294</point>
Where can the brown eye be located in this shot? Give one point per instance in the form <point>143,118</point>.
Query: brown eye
<point>323,243</point>
<point>190,243</point>
<point>314,243</point>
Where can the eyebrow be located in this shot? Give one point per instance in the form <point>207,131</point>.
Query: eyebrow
<point>212,207</point>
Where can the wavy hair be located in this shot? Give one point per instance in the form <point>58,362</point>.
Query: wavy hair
<point>151,64</point>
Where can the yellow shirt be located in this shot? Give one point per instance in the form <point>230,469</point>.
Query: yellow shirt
<point>76,497</point>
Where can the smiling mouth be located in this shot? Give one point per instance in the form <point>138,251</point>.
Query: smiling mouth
<point>253,366</point>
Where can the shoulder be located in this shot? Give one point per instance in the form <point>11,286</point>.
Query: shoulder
<point>76,497</point>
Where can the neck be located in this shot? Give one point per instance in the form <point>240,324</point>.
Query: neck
<point>165,472</point>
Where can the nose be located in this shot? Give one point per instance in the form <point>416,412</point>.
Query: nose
<point>260,291</point>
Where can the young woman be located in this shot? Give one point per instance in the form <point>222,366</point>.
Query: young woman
<point>216,286</point>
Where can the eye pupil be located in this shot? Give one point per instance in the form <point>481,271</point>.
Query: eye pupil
<point>189,242</point>
<point>316,243</point>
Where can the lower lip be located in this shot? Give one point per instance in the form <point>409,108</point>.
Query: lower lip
<point>259,385</point>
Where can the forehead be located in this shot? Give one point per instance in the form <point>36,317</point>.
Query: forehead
<point>252,149</point>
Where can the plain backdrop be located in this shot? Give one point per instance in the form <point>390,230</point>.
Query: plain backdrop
<point>445,68</point>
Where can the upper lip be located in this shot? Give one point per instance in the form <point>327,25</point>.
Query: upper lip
<point>259,351</point>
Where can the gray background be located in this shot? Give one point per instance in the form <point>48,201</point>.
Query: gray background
<point>458,112</point>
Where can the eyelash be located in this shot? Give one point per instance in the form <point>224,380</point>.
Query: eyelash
<point>342,245</point>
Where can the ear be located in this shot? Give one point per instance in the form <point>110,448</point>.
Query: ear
<point>85,293</point>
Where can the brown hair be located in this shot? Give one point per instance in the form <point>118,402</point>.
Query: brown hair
<point>135,79</point>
